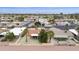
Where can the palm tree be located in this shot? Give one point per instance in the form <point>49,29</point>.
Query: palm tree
<point>43,37</point>
<point>50,35</point>
<point>24,33</point>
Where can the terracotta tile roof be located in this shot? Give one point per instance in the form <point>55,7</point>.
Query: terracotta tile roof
<point>33,31</point>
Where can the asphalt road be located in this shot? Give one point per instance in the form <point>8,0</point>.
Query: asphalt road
<point>39,48</point>
<point>69,27</point>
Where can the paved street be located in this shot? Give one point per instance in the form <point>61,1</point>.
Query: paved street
<point>62,27</point>
<point>39,48</point>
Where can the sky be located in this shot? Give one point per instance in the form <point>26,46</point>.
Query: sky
<point>39,10</point>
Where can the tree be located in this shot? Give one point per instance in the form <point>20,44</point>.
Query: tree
<point>51,20</point>
<point>10,36</point>
<point>61,15</point>
<point>24,33</point>
<point>43,25</point>
<point>56,16</point>
<point>76,16</point>
<point>71,16</point>
<point>50,35</point>
<point>20,18</point>
<point>37,24</point>
<point>66,28</point>
<point>45,17</point>
<point>43,37</point>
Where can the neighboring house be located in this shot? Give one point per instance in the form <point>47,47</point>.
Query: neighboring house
<point>62,23</point>
<point>2,30</point>
<point>61,20</point>
<point>76,35</point>
<point>33,32</point>
<point>66,21</point>
<point>74,31</point>
<point>48,25</point>
<point>60,34</point>
<point>16,31</point>
<point>25,23</point>
<point>43,21</point>
<point>6,19</point>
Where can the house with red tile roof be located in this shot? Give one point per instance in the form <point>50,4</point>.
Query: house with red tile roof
<point>33,32</point>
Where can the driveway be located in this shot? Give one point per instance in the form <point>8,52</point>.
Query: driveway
<point>22,41</point>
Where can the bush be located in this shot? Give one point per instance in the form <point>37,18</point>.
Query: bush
<point>10,36</point>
